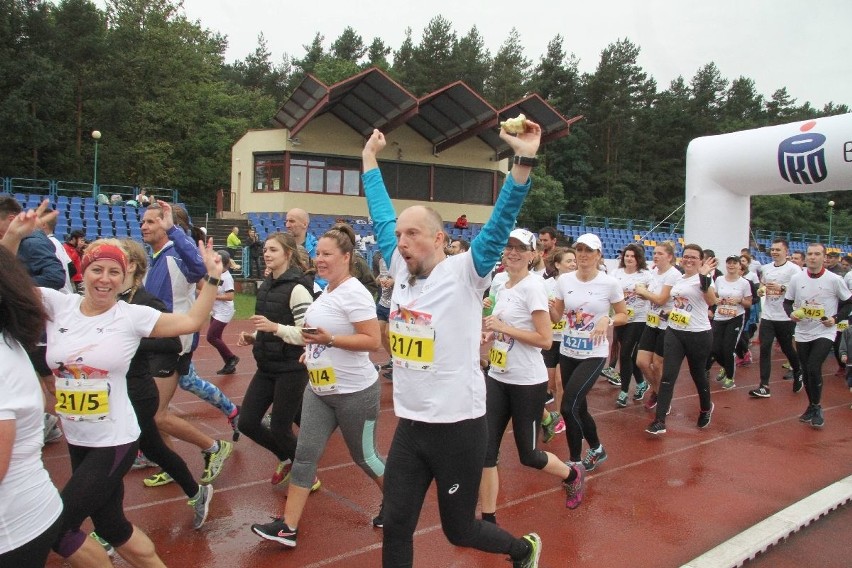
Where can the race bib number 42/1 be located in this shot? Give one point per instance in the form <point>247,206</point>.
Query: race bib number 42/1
<point>577,343</point>
<point>85,400</point>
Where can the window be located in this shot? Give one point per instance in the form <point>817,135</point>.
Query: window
<point>268,172</point>
<point>463,186</point>
<point>320,174</point>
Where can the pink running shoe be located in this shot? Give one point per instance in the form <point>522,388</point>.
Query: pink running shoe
<point>574,490</point>
<point>560,426</point>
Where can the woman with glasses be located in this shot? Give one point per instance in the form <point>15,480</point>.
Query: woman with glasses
<point>516,384</point>
<point>632,272</point>
<point>688,335</point>
<point>729,319</point>
<point>584,298</point>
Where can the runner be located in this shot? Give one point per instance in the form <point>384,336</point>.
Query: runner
<point>728,323</point>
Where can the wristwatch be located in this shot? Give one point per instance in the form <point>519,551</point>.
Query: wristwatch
<point>525,161</point>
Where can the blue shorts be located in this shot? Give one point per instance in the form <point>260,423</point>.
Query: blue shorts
<point>382,312</point>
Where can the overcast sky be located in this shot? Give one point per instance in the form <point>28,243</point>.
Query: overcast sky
<point>804,46</point>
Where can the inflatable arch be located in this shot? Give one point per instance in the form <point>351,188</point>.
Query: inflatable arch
<point>723,172</point>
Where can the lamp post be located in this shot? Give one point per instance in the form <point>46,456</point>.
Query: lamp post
<point>830,215</point>
<point>96,135</point>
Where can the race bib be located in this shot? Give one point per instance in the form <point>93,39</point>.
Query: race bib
<point>631,313</point>
<point>678,318</point>
<point>321,375</point>
<point>727,311</point>
<point>653,319</point>
<point>412,345</point>
<point>82,400</point>
<point>814,312</point>
<point>842,325</point>
<point>577,343</point>
<point>498,356</point>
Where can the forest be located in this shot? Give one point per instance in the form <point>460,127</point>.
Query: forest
<point>170,106</point>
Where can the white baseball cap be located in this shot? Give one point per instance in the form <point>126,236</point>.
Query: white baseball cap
<point>524,236</point>
<point>590,240</point>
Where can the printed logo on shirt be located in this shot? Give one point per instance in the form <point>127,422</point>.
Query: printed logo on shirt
<point>801,158</point>
<point>63,329</point>
<point>453,489</point>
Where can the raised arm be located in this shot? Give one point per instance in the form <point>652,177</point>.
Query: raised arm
<point>378,200</point>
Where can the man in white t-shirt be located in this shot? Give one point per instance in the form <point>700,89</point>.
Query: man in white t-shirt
<point>438,386</point>
<point>774,322</point>
<point>816,300</point>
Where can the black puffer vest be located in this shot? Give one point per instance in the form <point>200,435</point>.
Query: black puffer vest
<point>272,354</point>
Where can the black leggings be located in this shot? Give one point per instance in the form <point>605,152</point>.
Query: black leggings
<point>95,490</point>
<point>284,392</point>
<point>726,335</point>
<point>629,336</point>
<point>453,455</point>
<point>783,332</point>
<point>34,553</point>
<point>152,445</point>
<point>578,378</point>
<point>695,347</point>
<point>812,355</point>
<point>524,404</point>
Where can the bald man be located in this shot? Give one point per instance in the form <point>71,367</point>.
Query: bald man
<point>297,222</point>
<point>438,388</point>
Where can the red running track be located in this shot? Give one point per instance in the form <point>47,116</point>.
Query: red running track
<point>656,502</point>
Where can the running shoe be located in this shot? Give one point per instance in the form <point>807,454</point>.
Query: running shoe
<point>201,505</point>
<point>549,399</point>
<point>282,473</point>
<point>798,383</point>
<point>721,376</point>
<point>316,484</point>
<point>746,360</point>
<point>728,384</point>
<point>760,392</point>
<point>531,561</point>
<point>141,462</point>
<point>230,366</point>
<point>214,461</point>
<point>158,479</point>
<point>621,401</point>
<point>574,490</point>
<point>808,416</point>
<point>110,549</point>
<point>704,416</point>
<point>560,426</point>
<point>594,457</point>
<point>788,376</point>
<point>641,389</point>
<point>277,531</point>
<point>656,428</point>
<point>379,520</point>
<point>612,376</point>
<point>52,432</point>
<point>786,365</point>
<point>234,421</point>
<point>549,427</point>
<point>651,403</point>
<point>817,420</point>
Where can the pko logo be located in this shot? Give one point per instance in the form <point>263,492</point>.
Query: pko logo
<point>801,158</point>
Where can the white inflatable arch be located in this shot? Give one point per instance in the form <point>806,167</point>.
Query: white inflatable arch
<point>723,172</point>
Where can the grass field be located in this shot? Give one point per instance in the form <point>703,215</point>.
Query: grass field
<point>244,306</point>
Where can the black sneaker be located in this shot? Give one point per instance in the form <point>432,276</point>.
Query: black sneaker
<point>798,383</point>
<point>808,414</point>
<point>277,530</point>
<point>379,520</point>
<point>230,367</point>
<point>704,416</point>
<point>656,428</point>
<point>817,421</point>
<point>760,392</point>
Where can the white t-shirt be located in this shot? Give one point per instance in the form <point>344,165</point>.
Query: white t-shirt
<point>657,315</point>
<point>512,361</point>
<point>818,297</point>
<point>29,502</point>
<point>727,290</point>
<point>497,283</point>
<point>585,304</point>
<point>63,257</point>
<point>773,303</point>
<point>223,310</point>
<point>689,309</point>
<point>434,328</point>
<point>550,285</point>
<point>637,306</point>
<point>89,357</point>
<point>333,370</point>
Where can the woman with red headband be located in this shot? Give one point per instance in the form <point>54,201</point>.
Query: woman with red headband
<point>90,342</point>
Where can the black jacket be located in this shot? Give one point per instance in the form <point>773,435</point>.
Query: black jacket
<point>272,354</point>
